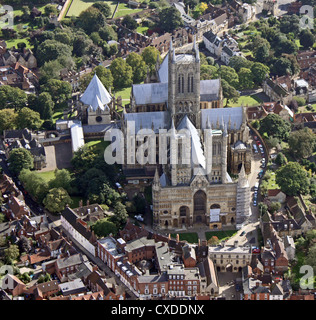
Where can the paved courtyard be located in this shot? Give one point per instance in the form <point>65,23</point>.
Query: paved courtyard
<point>58,156</point>
<point>227,281</point>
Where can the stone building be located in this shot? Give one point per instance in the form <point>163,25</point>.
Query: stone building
<point>204,144</point>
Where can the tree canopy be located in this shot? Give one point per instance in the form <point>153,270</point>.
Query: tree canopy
<point>292,179</point>
<point>19,159</point>
<point>275,126</point>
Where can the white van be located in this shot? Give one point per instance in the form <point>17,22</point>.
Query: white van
<point>256,185</point>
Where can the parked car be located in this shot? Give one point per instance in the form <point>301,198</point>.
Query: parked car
<point>237,287</point>
<point>255,137</point>
<point>255,203</point>
<point>243,233</point>
<point>255,250</point>
<point>139,217</point>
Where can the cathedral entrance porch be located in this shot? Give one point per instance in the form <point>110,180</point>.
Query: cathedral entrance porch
<point>199,201</point>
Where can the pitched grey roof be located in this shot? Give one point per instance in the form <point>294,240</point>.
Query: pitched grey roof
<point>163,69</point>
<point>149,120</point>
<point>149,93</point>
<point>210,36</point>
<point>209,90</point>
<point>234,114</point>
<point>228,51</point>
<point>96,95</point>
<point>197,154</point>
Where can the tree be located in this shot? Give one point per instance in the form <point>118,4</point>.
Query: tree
<point>213,241</point>
<point>91,19</point>
<point>229,92</point>
<point>7,119</point>
<point>24,244</point>
<point>59,90</point>
<point>281,159</point>
<point>302,142</point>
<point>122,74</point>
<point>19,159</point>
<point>56,200</point>
<point>11,254</point>
<point>307,39</point>
<point>104,8</point>
<point>34,184</point>
<point>81,44</point>
<point>138,66</point>
<point>262,53</point>
<point>229,75</point>
<point>282,66</point>
<point>245,78</point>
<point>83,159</point>
<point>44,278</point>
<point>129,23</point>
<point>50,70</point>
<point>170,19</point>
<point>28,118</point>
<point>259,72</point>
<point>104,75</point>
<point>274,206</point>
<point>120,214</point>
<point>107,33</point>
<point>103,227</point>
<point>311,257</point>
<point>292,179</point>
<point>11,97</point>
<point>208,72</point>
<point>50,10</point>
<point>62,179</point>
<point>275,126</point>
<point>150,56</point>
<point>51,50</point>
<point>45,105</point>
<point>237,63</point>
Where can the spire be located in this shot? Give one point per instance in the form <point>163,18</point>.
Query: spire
<point>156,177</point>
<point>173,129</point>
<point>223,124</point>
<point>196,49</point>
<point>208,123</point>
<point>225,130</point>
<point>242,178</point>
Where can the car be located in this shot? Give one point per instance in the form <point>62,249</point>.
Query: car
<point>2,152</point>
<point>255,203</point>
<point>243,233</point>
<point>139,217</point>
<point>263,165</point>
<point>237,287</point>
<point>256,251</point>
<point>255,137</point>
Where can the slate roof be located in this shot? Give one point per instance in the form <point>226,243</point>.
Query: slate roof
<point>71,217</point>
<point>145,120</point>
<point>234,114</point>
<point>210,89</point>
<point>96,94</point>
<point>210,36</point>
<point>73,260</point>
<point>150,93</point>
<point>197,154</point>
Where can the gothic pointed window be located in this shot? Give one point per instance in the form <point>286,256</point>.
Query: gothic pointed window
<point>181,83</point>
<point>190,82</point>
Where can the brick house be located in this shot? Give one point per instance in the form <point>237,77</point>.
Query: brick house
<point>42,291</point>
<point>16,208</point>
<point>68,265</point>
<point>13,285</point>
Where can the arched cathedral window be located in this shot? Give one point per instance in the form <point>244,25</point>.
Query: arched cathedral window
<point>190,82</point>
<point>181,83</point>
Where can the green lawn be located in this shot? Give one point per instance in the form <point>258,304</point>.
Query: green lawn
<point>77,6</point>
<point>221,235</point>
<point>142,29</point>
<point>124,10</point>
<point>244,100</point>
<point>271,182</point>
<point>190,237</point>
<point>304,109</point>
<point>99,144</point>
<point>46,175</point>
<point>125,94</point>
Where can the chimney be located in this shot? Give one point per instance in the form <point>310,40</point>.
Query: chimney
<point>199,244</point>
<point>236,243</point>
<point>178,238</point>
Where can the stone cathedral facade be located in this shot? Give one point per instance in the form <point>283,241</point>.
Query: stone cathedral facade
<point>197,188</point>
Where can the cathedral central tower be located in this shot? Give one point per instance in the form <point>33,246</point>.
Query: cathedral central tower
<point>184,85</point>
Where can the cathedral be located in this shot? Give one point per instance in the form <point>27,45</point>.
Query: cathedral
<point>198,188</point>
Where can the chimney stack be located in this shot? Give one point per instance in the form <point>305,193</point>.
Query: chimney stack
<point>178,238</point>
